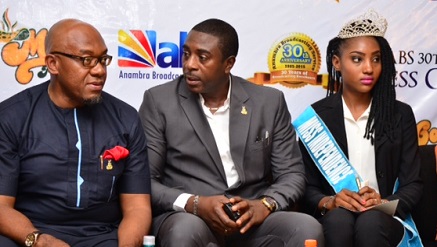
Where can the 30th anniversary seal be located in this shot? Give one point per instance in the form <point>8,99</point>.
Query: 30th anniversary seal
<point>294,61</point>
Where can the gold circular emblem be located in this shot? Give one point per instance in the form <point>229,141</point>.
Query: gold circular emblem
<point>294,61</point>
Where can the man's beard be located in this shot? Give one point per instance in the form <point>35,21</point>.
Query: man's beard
<point>93,101</point>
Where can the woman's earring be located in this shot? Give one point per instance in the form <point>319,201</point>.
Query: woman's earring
<point>334,74</point>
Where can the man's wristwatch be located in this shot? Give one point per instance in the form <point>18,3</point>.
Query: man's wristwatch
<point>270,203</point>
<point>31,238</point>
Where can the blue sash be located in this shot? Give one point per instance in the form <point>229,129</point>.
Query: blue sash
<point>336,168</point>
<point>411,234</point>
<point>324,150</point>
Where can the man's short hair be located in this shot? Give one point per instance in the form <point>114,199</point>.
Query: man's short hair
<point>228,37</point>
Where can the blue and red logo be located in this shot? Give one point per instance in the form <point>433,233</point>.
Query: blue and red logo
<point>140,49</point>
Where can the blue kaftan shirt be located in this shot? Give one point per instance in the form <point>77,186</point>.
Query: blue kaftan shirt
<point>50,159</point>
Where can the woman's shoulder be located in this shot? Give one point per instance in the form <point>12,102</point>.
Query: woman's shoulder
<point>403,107</point>
<point>329,102</point>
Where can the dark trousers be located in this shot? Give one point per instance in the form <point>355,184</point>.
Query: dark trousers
<point>108,239</point>
<point>372,228</point>
<point>6,242</point>
<point>279,229</point>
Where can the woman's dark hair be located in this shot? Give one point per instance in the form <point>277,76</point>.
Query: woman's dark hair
<point>381,115</point>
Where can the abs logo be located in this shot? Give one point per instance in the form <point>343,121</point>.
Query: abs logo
<point>140,49</point>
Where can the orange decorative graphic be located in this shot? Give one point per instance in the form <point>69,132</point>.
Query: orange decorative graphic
<point>26,55</point>
<point>426,133</point>
<point>24,49</point>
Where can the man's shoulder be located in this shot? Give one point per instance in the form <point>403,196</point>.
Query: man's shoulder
<point>112,101</point>
<point>252,88</point>
<point>165,93</point>
<point>121,112</point>
<point>168,86</point>
<point>23,98</point>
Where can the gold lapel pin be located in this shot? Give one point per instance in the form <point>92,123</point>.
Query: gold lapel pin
<point>109,165</point>
<point>243,110</point>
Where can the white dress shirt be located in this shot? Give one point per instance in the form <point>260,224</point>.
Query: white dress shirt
<point>219,124</point>
<point>361,151</point>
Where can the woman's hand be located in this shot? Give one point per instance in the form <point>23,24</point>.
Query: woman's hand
<point>371,197</point>
<point>349,200</point>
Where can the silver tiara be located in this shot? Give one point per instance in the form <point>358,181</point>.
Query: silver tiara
<point>369,24</point>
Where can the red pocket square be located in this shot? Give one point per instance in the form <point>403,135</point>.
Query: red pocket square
<point>117,153</point>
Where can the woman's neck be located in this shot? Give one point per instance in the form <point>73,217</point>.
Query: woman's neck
<point>357,104</point>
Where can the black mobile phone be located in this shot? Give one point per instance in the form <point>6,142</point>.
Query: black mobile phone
<point>233,215</point>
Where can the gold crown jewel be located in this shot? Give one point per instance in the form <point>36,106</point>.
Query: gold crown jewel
<point>369,24</point>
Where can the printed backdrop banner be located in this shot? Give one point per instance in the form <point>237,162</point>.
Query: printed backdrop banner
<point>282,44</point>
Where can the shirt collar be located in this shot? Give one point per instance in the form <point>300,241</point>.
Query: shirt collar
<point>228,97</point>
<point>348,114</point>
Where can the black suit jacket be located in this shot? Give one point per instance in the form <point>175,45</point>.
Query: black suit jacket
<point>395,159</point>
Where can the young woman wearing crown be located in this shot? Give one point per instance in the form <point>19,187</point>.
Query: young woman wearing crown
<point>377,135</point>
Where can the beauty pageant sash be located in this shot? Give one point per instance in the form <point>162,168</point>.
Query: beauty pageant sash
<point>325,152</point>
